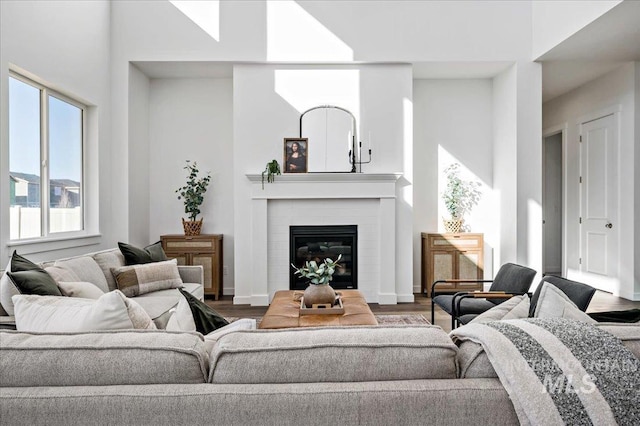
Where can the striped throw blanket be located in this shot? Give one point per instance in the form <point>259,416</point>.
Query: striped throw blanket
<point>559,371</point>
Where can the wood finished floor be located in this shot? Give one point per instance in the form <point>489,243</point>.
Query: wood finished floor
<point>601,302</point>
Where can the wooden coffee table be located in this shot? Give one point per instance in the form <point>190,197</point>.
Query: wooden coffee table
<point>284,312</point>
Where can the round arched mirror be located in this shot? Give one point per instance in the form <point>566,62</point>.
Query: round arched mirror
<point>332,136</point>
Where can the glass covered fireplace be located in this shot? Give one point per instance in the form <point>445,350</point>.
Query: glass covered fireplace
<point>321,242</point>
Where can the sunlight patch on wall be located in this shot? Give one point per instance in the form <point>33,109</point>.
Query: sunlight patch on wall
<point>204,13</point>
<point>295,35</point>
<point>306,88</point>
<point>407,152</point>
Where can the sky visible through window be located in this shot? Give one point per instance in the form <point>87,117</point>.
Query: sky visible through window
<point>65,133</point>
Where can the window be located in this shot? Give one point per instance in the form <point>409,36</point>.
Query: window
<point>46,140</point>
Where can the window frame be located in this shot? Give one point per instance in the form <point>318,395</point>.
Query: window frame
<point>45,234</point>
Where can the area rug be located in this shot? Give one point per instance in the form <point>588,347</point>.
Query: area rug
<point>410,319</point>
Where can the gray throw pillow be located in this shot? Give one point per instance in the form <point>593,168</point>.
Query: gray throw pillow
<point>36,282</point>
<point>554,303</point>
<point>137,256</point>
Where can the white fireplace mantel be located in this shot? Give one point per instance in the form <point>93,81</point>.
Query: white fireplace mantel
<point>325,185</point>
<point>375,192</point>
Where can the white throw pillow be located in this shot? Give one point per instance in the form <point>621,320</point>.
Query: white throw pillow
<point>80,289</point>
<point>182,318</point>
<point>514,308</point>
<point>112,311</point>
<point>7,291</point>
<point>553,303</point>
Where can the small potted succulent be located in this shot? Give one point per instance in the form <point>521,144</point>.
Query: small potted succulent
<point>272,169</point>
<point>319,275</point>
<point>192,195</point>
<point>459,197</point>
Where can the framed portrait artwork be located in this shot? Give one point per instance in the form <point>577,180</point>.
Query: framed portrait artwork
<point>295,155</point>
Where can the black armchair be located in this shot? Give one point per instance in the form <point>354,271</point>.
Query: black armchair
<point>510,280</point>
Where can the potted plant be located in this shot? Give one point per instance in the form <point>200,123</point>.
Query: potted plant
<point>319,275</point>
<point>272,169</point>
<point>192,195</point>
<point>459,196</point>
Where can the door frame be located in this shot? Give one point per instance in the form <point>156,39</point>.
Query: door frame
<point>563,130</point>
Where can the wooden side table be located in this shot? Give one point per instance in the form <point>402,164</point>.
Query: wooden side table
<point>449,257</point>
<point>205,250</point>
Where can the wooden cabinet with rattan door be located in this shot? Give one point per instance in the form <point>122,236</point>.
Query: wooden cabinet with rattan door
<point>452,256</point>
<point>205,250</point>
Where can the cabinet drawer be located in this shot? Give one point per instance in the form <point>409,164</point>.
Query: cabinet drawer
<point>186,245</point>
<point>455,241</point>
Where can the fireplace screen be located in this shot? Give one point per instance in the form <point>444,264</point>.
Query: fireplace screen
<point>321,242</point>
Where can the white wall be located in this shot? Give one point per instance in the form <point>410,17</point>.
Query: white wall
<point>452,123</point>
<point>65,45</point>
<point>555,21</point>
<point>529,166</point>
<point>192,119</point>
<point>70,43</point>
<point>504,164</point>
<point>139,212</point>
<point>267,102</point>
<point>357,30</point>
<point>614,89</point>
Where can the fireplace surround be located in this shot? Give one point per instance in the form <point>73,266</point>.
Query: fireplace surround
<point>368,200</point>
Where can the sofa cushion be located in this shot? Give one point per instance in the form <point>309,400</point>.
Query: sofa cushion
<point>333,354</point>
<point>239,324</point>
<point>136,256</point>
<point>80,289</point>
<point>108,260</point>
<point>132,357</point>
<point>112,311</point>
<point>139,279</point>
<point>86,269</point>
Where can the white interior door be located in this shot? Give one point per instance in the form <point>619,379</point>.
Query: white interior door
<point>599,207</point>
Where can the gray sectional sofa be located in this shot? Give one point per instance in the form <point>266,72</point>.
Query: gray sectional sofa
<point>96,269</point>
<point>386,375</point>
<point>329,375</point>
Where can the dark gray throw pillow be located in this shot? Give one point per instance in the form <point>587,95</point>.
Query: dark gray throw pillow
<point>19,263</point>
<point>205,317</point>
<point>137,256</point>
<point>35,281</point>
